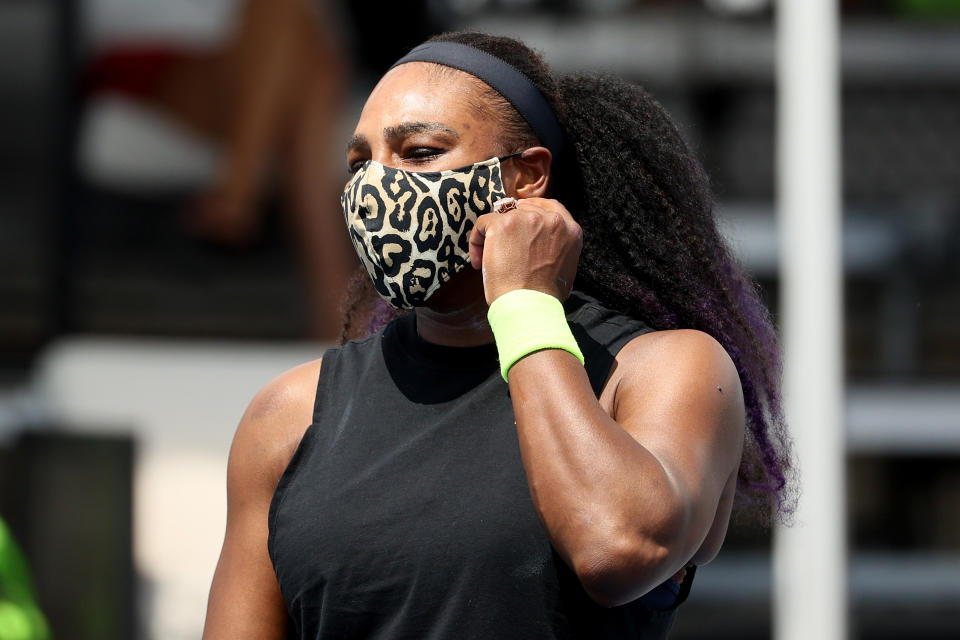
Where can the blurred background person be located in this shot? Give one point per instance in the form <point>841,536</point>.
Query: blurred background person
<point>274,92</point>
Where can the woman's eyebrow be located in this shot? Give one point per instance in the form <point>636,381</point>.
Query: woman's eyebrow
<point>408,128</point>
<point>356,141</point>
<point>392,134</point>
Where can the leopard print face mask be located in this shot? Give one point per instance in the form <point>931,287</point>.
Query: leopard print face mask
<point>411,229</point>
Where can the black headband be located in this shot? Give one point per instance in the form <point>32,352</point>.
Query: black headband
<point>506,80</point>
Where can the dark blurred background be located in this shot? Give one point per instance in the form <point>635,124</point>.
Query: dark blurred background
<point>131,338</point>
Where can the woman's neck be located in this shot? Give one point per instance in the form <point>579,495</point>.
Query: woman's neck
<point>456,315</point>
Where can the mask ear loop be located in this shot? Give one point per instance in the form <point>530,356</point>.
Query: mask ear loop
<point>506,204</point>
<point>503,205</point>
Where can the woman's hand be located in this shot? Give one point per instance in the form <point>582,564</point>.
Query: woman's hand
<point>535,246</point>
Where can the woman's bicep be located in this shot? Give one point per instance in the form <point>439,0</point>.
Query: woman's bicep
<point>245,599</point>
<point>682,400</point>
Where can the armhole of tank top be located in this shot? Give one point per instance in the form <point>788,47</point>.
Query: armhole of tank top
<point>686,585</point>
<point>625,330</point>
<point>327,368</point>
<point>617,345</point>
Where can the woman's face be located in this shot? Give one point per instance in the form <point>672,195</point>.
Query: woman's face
<point>418,120</point>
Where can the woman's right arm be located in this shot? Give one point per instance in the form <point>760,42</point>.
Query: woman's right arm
<point>245,599</point>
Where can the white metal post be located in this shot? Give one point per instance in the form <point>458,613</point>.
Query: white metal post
<point>810,558</point>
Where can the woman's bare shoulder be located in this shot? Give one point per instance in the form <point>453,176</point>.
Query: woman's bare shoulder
<point>272,426</point>
<point>678,353</point>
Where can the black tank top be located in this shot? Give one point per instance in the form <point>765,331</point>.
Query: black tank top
<point>405,511</point>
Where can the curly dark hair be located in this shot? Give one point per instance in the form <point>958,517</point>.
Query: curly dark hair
<point>651,245</point>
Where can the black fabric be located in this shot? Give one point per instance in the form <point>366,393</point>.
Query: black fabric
<point>505,79</point>
<point>405,511</point>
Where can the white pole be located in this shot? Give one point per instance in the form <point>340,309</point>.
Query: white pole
<point>810,559</point>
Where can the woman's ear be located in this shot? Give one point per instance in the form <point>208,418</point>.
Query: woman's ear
<point>529,175</point>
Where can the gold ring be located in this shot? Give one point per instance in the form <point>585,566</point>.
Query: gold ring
<point>503,205</point>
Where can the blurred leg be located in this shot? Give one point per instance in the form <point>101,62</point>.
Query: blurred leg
<point>315,180</point>
<point>282,82</point>
<point>194,91</point>
<point>244,96</point>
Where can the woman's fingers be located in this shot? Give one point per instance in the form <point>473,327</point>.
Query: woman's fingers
<point>535,246</point>
<point>478,236</point>
<point>554,206</point>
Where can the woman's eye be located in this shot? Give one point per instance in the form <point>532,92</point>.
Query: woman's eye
<point>422,153</point>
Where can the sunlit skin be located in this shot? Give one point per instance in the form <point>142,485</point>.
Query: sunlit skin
<point>418,121</point>
<point>629,486</point>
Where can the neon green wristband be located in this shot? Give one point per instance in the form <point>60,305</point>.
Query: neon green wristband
<point>524,321</point>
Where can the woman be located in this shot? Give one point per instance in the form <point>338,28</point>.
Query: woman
<point>431,499</point>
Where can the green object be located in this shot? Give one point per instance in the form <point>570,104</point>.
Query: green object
<point>929,8</point>
<point>20,617</point>
<point>524,321</point>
